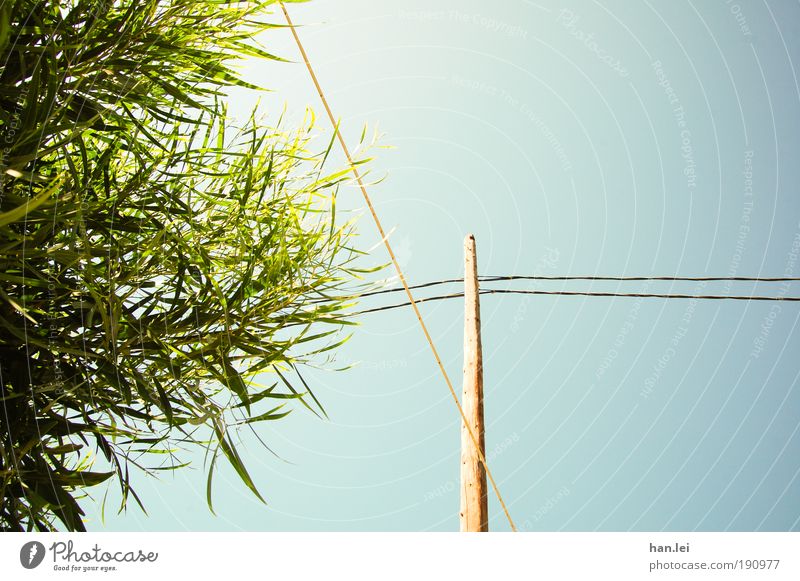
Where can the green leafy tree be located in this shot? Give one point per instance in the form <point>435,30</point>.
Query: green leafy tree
<point>155,260</point>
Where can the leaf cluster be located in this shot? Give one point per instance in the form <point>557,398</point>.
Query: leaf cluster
<point>157,263</point>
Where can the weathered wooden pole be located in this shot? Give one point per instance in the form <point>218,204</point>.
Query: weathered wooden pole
<point>474,513</point>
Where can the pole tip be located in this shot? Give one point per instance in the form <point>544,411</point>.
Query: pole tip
<point>469,244</point>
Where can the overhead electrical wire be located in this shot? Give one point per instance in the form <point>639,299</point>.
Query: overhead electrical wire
<point>581,294</point>
<point>580,278</point>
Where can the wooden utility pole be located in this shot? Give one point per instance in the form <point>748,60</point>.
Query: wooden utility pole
<point>474,513</point>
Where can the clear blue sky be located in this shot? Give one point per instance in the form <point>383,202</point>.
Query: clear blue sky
<point>606,138</point>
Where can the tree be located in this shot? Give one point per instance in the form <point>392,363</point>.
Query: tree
<point>155,259</point>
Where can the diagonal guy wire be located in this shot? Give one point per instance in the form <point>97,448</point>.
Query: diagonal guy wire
<point>396,264</point>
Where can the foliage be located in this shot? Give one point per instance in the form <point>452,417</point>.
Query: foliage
<point>154,258</point>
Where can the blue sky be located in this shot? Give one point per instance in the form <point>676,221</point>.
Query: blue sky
<point>574,138</point>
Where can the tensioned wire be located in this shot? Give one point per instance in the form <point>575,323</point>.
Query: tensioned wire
<point>593,278</point>
<point>583,294</point>
<point>396,264</point>
<point>485,291</point>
